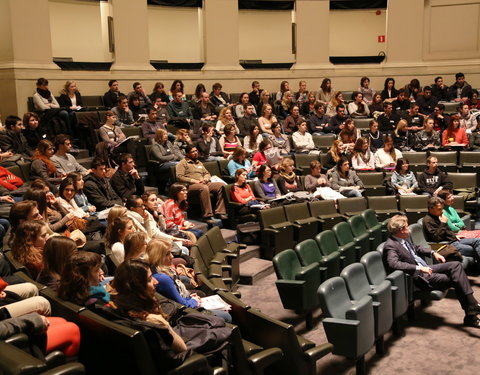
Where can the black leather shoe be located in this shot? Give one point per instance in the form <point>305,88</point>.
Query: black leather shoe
<point>473,309</point>
<point>471,321</point>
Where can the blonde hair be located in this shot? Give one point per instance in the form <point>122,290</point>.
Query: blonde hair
<point>222,116</point>
<point>156,251</point>
<point>402,124</point>
<point>285,95</point>
<point>333,150</point>
<point>286,162</point>
<point>66,86</point>
<point>159,134</point>
<point>180,133</point>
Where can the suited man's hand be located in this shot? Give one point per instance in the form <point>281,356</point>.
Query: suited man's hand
<point>440,258</point>
<point>426,270</point>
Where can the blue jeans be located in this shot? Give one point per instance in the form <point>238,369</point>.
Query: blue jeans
<point>352,193</point>
<point>223,314</point>
<point>469,247</point>
<point>197,232</point>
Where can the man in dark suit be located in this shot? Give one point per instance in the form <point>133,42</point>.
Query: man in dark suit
<point>399,253</point>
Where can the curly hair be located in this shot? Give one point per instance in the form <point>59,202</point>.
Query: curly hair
<point>23,249</point>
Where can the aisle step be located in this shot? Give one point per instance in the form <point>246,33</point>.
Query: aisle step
<point>254,269</point>
<point>252,251</point>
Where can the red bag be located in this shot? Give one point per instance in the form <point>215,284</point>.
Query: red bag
<point>8,180</point>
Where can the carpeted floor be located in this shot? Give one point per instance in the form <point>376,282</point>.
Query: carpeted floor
<point>435,343</point>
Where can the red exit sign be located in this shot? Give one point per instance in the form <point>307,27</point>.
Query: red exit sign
<point>381,39</point>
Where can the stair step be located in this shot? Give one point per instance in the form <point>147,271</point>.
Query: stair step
<point>252,251</point>
<point>229,235</point>
<point>254,269</point>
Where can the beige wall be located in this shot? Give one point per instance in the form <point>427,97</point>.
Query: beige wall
<point>407,52</point>
<point>355,32</point>
<point>174,34</point>
<point>266,35</point>
<point>76,31</point>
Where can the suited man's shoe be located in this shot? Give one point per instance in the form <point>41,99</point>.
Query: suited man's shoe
<point>471,321</point>
<point>473,309</point>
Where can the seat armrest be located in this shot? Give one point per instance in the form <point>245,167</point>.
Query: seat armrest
<point>74,368</point>
<point>193,365</point>
<point>265,358</point>
<point>19,340</point>
<point>319,351</point>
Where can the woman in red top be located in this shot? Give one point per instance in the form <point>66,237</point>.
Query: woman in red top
<point>454,135</point>
<point>174,210</point>
<point>241,192</point>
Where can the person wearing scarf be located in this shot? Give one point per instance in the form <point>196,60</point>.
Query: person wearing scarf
<point>288,180</point>
<point>44,168</point>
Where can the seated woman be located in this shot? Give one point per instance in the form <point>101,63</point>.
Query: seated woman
<point>33,132</point>
<point>454,135</point>
<point>239,160</point>
<point>427,138</point>
<point>345,180</point>
<point>279,140</point>
<point>389,93</point>
<point>252,140</point>
<point>266,154</point>
<point>366,90</point>
<point>386,158</point>
<point>267,119</point>
<point>169,284</point>
<point>337,150</point>
<point>362,158</point>
<point>349,134</point>
<point>208,146</point>
<point>241,192</point>
<point>291,122</point>
<point>174,210</point>
<point>135,107</point>
<point>265,187</point>
<point>115,236</point>
<point>401,136</point>
<point>375,136</point>
<point>455,222</point>
<point>377,104</point>
<point>44,101</point>
<point>52,212</point>
<point>239,108</point>
<point>308,107</point>
<point>56,253</point>
<point>135,298</point>
<point>27,246</point>
<point>225,118</point>
<point>42,167</point>
<point>229,141</point>
<point>358,108</point>
<point>70,97</point>
<point>302,140</point>
<point>182,140</point>
<point>403,179</point>
<point>286,104</point>
<point>265,98</point>
<point>288,181</point>
<point>135,246</point>
<point>159,92</point>
<point>81,280</point>
<point>315,179</point>
<point>325,93</point>
<point>332,104</point>
<point>66,199</point>
<point>113,136</point>
<point>80,198</point>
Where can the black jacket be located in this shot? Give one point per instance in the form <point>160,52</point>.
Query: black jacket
<point>110,98</point>
<point>125,185</point>
<point>15,142</point>
<point>429,182</point>
<point>204,148</point>
<point>66,102</point>
<point>436,231</point>
<point>100,193</point>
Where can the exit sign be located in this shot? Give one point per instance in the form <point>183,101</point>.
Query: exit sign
<point>381,39</point>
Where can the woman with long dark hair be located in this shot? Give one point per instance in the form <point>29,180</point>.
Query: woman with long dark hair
<point>403,179</point>
<point>389,93</point>
<point>386,157</point>
<point>345,180</point>
<point>174,210</point>
<point>362,158</point>
<point>325,93</point>
<point>266,187</point>
<point>135,298</point>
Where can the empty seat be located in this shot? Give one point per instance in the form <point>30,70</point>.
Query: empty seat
<point>327,211</point>
<point>347,240</point>
<point>373,183</point>
<point>302,161</point>
<point>352,206</point>
<point>297,285</point>
<point>372,222</point>
<point>309,253</point>
<point>359,228</point>
<point>414,206</point>
<point>349,325</point>
<point>277,232</point>
<point>328,244</point>
<point>306,226</point>
<point>323,142</point>
<point>385,207</point>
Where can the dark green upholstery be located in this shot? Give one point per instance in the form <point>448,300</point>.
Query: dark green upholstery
<point>385,207</point>
<point>296,285</point>
<point>277,232</point>
<point>345,243</point>
<point>372,223</point>
<point>359,228</point>
<point>309,253</point>
<point>359,287</point>
<point>376,274</point>
<point>349,325</point>
<point>327,212</point>
<point>306,226</point>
